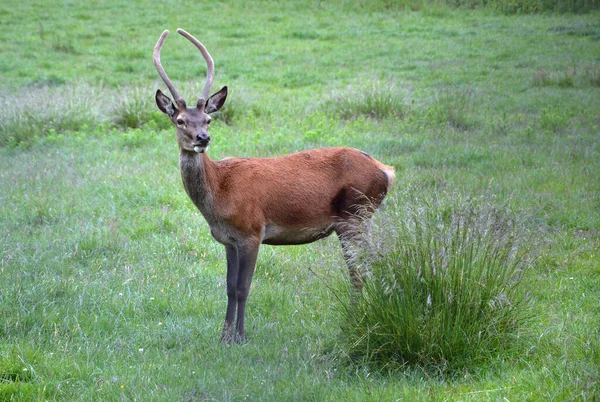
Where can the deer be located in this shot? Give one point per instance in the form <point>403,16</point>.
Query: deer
<point>292,199</point>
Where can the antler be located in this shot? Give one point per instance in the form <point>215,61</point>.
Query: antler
<point>210,65</point>
<point>161,70</point>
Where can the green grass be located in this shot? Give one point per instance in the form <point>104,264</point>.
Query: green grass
<point>371,99</point>
<point>445,285</point>
<point>111,286</point>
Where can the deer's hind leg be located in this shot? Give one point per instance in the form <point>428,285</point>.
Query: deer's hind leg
<point>348,235</point>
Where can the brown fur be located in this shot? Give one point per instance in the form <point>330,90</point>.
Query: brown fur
<point>309,190</point>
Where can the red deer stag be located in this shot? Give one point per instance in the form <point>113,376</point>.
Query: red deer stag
<point>290,199</point>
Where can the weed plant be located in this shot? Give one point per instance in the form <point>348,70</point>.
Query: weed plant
<point>442,286</point>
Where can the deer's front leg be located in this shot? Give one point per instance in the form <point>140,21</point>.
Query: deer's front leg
<point>247,252</point>
<point>232,279</point>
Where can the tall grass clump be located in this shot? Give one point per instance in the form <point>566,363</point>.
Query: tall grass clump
<point>443,286</point>
<point>371,99</point>
<point>568,77</point>
<point>241,104</point>
<point>36,111</point>
<point>133,107</point>
<point>454,108</point>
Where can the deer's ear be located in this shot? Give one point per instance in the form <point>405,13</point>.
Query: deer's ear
<point>165,104</point>
<point>216,101</point>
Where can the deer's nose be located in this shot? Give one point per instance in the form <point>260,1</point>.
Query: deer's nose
<point>203,139</point>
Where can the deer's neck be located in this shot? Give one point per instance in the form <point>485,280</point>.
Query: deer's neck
<point>198,174</point>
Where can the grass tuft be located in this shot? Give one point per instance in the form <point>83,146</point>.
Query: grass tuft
<point>133,108</point>
<point>541,78</point>
<point>17,378</point>
<point>240,105</point>
<point>372,99</point>
<point>455,108</point>
<point>568,77</point>
<point>40,110</point>
<point>442,286</point>
<point>43,111</point>
<point>593,75</point>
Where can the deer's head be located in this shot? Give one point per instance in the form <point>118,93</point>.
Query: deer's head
<point>191,123</point>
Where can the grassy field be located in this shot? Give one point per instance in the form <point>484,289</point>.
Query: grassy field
<point>111,287</point>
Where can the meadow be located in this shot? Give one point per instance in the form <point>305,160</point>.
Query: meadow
<point>111,287</point>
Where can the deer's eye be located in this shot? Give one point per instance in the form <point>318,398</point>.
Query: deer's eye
<point>180,122</point>
<point>208,122</point>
